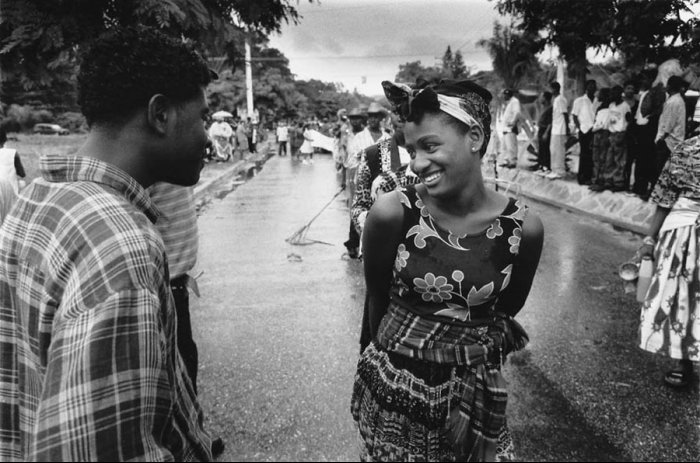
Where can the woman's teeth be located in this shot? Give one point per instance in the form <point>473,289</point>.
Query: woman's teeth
<point>432,177</point>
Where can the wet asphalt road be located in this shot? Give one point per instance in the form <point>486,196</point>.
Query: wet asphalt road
<point>278,324</point>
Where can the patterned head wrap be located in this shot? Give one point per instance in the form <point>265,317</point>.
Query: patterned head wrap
<point>464,100</point>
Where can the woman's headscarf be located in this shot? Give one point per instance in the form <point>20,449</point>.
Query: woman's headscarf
<point>464,100</point>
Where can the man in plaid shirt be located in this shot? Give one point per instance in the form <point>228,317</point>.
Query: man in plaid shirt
<point>89,368</point>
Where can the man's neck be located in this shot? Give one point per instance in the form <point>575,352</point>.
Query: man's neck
<point>120,148</point>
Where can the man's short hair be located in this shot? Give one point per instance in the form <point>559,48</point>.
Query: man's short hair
<point>554,85</point>
<point>676,83</point>
<point>125,67</point>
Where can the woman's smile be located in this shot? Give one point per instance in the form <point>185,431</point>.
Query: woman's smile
<point>432,177</point>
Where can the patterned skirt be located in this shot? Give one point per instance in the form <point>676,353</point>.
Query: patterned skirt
<point>670,316</point>
<point>401,408</point>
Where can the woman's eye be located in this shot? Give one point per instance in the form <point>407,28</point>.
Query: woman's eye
<point>431,148</point>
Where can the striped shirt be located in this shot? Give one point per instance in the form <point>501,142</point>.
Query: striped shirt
<point>90,368</point>
<point>177,225</point>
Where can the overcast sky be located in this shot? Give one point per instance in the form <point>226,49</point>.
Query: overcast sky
<point>349,41</point>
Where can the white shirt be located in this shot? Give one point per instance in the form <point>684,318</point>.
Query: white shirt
<point>220,129</point>
<point>559,108</point>
<point>511,114</point>
<point>584,110</point>
<point>601,120</point>
<point>358,143</point>
<point>282,133</point>
<point>639,119</point>
<point>7,167</point>
<point>618,116</point>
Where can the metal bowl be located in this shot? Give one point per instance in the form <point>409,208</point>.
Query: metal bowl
<point>629,271</point>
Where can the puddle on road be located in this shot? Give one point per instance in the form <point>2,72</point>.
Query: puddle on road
<point>222,189</point>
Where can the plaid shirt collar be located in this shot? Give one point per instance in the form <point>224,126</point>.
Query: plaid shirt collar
<point>58,168</point>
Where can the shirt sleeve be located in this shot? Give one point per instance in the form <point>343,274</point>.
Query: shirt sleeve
<point>107,394</point>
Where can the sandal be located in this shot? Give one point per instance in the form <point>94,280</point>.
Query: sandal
<point>677,379</point>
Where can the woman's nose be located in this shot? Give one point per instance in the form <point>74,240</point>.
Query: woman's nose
<point>419,163</point>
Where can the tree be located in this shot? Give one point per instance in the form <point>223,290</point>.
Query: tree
<point>40,40</point>
<point>447,61</point>
<point>414,70</point>
<point>571,25</point>
<point>459,69</point>
<point>512,54</point>
<point>642,31</point>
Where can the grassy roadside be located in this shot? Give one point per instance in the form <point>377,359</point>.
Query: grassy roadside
<point>31,147</point>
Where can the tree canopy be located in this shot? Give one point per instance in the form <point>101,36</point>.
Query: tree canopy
<point>513,54</point>
<point>641,31</point>
<point>40,40</point>
<point>452,67</point>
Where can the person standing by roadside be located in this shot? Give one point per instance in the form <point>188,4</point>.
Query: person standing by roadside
<point>616,159</point>
<point>644,132</point>
<point>601,140</point>
<point>282,133</point>
<point>177,225</point>
<point>630,96</point>
<point>306,149</point>
<point>367,137</point>
<point>544,133</point>
<point>671,129</point>
<point>241,139</point>
<point>670,313</point>
<point>560,132</point>
<point>583,113</point>
<point>7,198</point>
<point>90,359</point>
<point>221,133</point>
<point>511,117</point>
<point>11,168</point>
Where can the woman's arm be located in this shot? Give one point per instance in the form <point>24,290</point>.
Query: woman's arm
<point>381,237</point>
<point>524,268</point>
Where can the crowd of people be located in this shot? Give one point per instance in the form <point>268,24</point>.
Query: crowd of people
<point>623,134</point>
<point>99,362</point>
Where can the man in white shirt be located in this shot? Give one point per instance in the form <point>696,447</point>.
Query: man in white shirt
<point>511,116</point>
<point>367,137</point>
<point>583,113</point>
<point>560,132</point>
<point>282,133</point>
<point>671,129</point>
<point>619,118</point>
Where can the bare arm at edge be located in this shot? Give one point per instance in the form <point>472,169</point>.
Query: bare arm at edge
<point>524,268</point>
<point>381,237</point>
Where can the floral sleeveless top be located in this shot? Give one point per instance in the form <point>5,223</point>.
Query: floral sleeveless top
<point>449,277</point>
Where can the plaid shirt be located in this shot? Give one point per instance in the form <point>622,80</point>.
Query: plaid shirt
<point>90,368</point>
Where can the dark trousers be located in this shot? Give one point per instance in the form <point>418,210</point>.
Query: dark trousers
<point>185,343</point>
<point>585,166</point>
<point>353,242</point>
<point>543,155</point>
<point>281,148</point>
<point>662,155</point>
<point>644,158</point>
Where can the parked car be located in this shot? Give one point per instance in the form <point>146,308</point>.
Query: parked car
<point>50,129</point>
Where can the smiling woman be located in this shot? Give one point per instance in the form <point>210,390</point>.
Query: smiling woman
<point>448,264</point>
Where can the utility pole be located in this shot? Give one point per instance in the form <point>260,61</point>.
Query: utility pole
<point>248,77</point>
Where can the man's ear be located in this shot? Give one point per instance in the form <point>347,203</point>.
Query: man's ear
<point>158,113</point>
